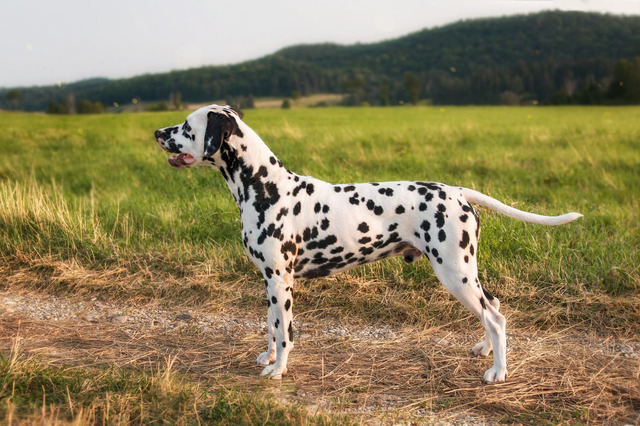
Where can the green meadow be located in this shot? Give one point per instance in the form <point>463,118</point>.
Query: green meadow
<point>98,189</point>
<point>96,192</point>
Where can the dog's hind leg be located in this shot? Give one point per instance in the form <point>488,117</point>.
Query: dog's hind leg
<point>280,317</point>
<point>465,287</point>
<point>485,347</point>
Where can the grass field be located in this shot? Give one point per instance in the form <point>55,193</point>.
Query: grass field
<point>90,210</point>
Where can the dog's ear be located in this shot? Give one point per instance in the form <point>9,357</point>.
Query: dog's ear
<point>237,111</point>
<point>219,128</point>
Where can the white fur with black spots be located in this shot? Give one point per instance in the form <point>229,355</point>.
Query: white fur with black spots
<point>301,227</point>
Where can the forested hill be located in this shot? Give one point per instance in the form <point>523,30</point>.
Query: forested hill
<point>550,57</point>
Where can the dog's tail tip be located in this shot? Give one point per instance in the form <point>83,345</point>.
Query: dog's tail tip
<point>570,217</point>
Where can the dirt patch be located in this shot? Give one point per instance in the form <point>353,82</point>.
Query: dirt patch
<point>373,371</point>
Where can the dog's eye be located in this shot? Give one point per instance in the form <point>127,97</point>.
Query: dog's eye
<point>186,130</point>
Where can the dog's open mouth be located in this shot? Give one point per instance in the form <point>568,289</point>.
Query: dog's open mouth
<point>181,160</point>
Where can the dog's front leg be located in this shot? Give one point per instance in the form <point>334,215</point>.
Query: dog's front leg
<point>280,319</point>
<point>266,358</point>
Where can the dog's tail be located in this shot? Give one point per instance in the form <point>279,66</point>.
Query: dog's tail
<point>484,200</point>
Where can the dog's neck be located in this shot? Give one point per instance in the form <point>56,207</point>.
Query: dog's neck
<point>250,169</point>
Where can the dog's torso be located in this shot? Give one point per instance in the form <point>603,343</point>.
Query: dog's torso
<point>316,229</point>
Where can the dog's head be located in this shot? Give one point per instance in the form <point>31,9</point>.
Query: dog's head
<point>199,138</point>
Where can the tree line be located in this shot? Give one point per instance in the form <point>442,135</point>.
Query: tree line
<point>544,58</point>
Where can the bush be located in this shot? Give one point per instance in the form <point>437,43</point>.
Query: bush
<point>56,108</point>
<point>87,107</point>
<point>509,98</point>
<point>158,107</point>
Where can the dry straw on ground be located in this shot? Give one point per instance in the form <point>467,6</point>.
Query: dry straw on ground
<point>373,372</point>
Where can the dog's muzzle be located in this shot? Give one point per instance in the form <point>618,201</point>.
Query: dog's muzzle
<point>178,160</point>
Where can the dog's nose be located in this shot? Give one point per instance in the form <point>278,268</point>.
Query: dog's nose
<point>158,134</point>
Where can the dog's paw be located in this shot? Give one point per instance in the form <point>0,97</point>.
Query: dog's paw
<point>266,358</point>
<point>483,348</point>
<point>494,375</point>
<point>274,371</point>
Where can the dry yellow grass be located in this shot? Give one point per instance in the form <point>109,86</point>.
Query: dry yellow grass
<point>341,363</point>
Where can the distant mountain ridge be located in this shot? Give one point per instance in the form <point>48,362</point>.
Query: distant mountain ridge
<point>526,57</point>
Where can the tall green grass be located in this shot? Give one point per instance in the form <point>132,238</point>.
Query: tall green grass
<point>34,393</point>
<point>98,189</point>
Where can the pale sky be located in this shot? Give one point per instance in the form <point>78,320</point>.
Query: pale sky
<point>46,42</point>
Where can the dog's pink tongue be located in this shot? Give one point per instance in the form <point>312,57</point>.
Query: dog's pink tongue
<point>187,158</point>
<point>181,160</point>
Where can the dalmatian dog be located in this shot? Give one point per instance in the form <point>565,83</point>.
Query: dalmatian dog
<point>301,227</point>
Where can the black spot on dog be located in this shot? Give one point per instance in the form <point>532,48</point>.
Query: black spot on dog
<point>337,188</point>
<point>277,323</point>
<point>310,189</point>
<point>422,207</point>
<point>465,239</point>
<point>324,225</point>
<point>488,295</point>
<point>299,188</point>
<point>310,234</point>
<point>297,208</point>
<point>442,235</point>
<point>274,300</point>
<point>392,227</point>
<point>484,305</point>
<point>268,272</point>
<point>317,208</point>
<point>366,251</point>
<point>322,244</point>
<point>364,240</point>
<point>283,212</point>
<point>287,305</point>
<point>399,209</point>
<point>363,227</point>
<point>464,218</point>
<point>349,188</point>
<point>289,247</point>
<point>290,331</point>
